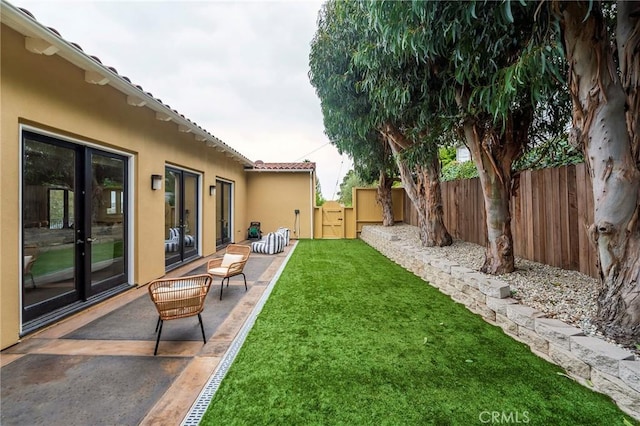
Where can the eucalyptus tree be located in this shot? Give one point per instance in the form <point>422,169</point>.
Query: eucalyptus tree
<point>601,43</point>
<point>398,123</point>
<point>478,70</point>
<point>347,112</point>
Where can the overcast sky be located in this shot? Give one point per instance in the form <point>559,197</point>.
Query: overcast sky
<point>236,68</point>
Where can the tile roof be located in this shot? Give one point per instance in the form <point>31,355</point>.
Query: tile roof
<point>25,19</point>
<point>304,166</point>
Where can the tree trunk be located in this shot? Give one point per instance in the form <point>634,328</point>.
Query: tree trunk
<point>493,151</point>
<point>424,192</point>
<point>433,200</point>
<point>383,197</point>
<point>605,124</point>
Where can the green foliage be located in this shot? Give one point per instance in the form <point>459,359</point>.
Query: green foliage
<point>551,153</point>
<point>348,116</point>
<point>455,170</point>
<point>351,180</point>
<point>336,344</point>
<point>319,197</point>
<point>447,154</point>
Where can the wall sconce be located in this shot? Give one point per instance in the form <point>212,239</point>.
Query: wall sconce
<point>156,182</point>
<point>212,190</point>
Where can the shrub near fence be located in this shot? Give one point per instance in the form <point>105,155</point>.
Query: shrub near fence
<point>550,213</point>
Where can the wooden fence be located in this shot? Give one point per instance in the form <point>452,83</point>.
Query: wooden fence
<point>550,213</point>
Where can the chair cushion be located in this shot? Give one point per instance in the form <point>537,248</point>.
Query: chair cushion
<point>218,271</point>
<point>285,233</point>
<point>187,289</point>
<point>228,259</point>
<point>179,296</point>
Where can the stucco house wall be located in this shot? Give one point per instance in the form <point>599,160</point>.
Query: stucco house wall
<point>49,95</point>
<point>273,196</point>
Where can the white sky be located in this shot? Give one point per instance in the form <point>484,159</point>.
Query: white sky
<point>239,69</point>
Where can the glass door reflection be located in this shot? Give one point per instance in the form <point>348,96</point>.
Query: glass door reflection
<point>49,233</point>
<point>105,241</point>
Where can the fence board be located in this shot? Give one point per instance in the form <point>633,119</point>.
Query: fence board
<point>551,211</point>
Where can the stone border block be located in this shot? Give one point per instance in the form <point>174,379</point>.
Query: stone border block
<point>444,265</point>
<point>461,272</point>
<point>429,273</point>
<point>630,374</point>
<point>458,284</point>
<point>486,313</point>
<point>500,305</point>
<point>624,396</point>
<point>599,354</point>
<point>494,288</point>
<point>462,298</point>
<point>475,278</point>
<point>556,331</point>
<point>475,294</point>
<point>534,341</point>
<point>506,324</point>
<point>523,315</point>
<point>571,363</point>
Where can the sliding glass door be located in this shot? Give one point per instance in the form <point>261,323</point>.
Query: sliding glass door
<point>223,212</point>
<point>180,216</point>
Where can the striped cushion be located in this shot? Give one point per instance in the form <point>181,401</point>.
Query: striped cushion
<point>285,233</point>
<point>271,244</point>
<point>171,244</point>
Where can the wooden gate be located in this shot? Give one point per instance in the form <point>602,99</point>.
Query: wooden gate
<point>332,220</point>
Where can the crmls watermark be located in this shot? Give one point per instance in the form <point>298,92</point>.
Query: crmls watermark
<point>504,417</point>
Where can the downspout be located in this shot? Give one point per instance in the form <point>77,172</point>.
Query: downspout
<point>312,210</point>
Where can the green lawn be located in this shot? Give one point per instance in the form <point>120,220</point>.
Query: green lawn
<point>349,338</point>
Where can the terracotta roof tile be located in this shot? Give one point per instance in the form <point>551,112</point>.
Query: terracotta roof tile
<point>261,165</point>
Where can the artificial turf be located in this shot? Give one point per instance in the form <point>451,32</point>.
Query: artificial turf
<point>347,337</point>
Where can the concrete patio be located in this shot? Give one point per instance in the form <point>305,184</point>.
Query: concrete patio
<point>98,368</point>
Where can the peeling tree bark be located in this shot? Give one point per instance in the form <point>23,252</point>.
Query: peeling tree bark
<point>605,124</point>
<point>493,152</point>
<point>422,185</point>
<point>383,197</point>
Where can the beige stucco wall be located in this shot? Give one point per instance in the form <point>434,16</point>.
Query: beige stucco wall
<point>50,94</point>
<point>272,198</point>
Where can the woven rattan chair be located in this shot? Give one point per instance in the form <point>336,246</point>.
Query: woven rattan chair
<point>230,265</point>
<point>176,298</point>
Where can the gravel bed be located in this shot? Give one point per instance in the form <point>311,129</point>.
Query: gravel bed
<point>569,296</point>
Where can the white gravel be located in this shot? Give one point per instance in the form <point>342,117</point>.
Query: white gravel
<point>569,296</point>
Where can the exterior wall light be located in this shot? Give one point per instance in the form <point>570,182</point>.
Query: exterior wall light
<point>156,182</point>
<point>212,190</point>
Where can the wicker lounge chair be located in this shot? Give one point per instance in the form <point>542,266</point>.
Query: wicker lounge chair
<point>176,298</point>
<point>230,265</point>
